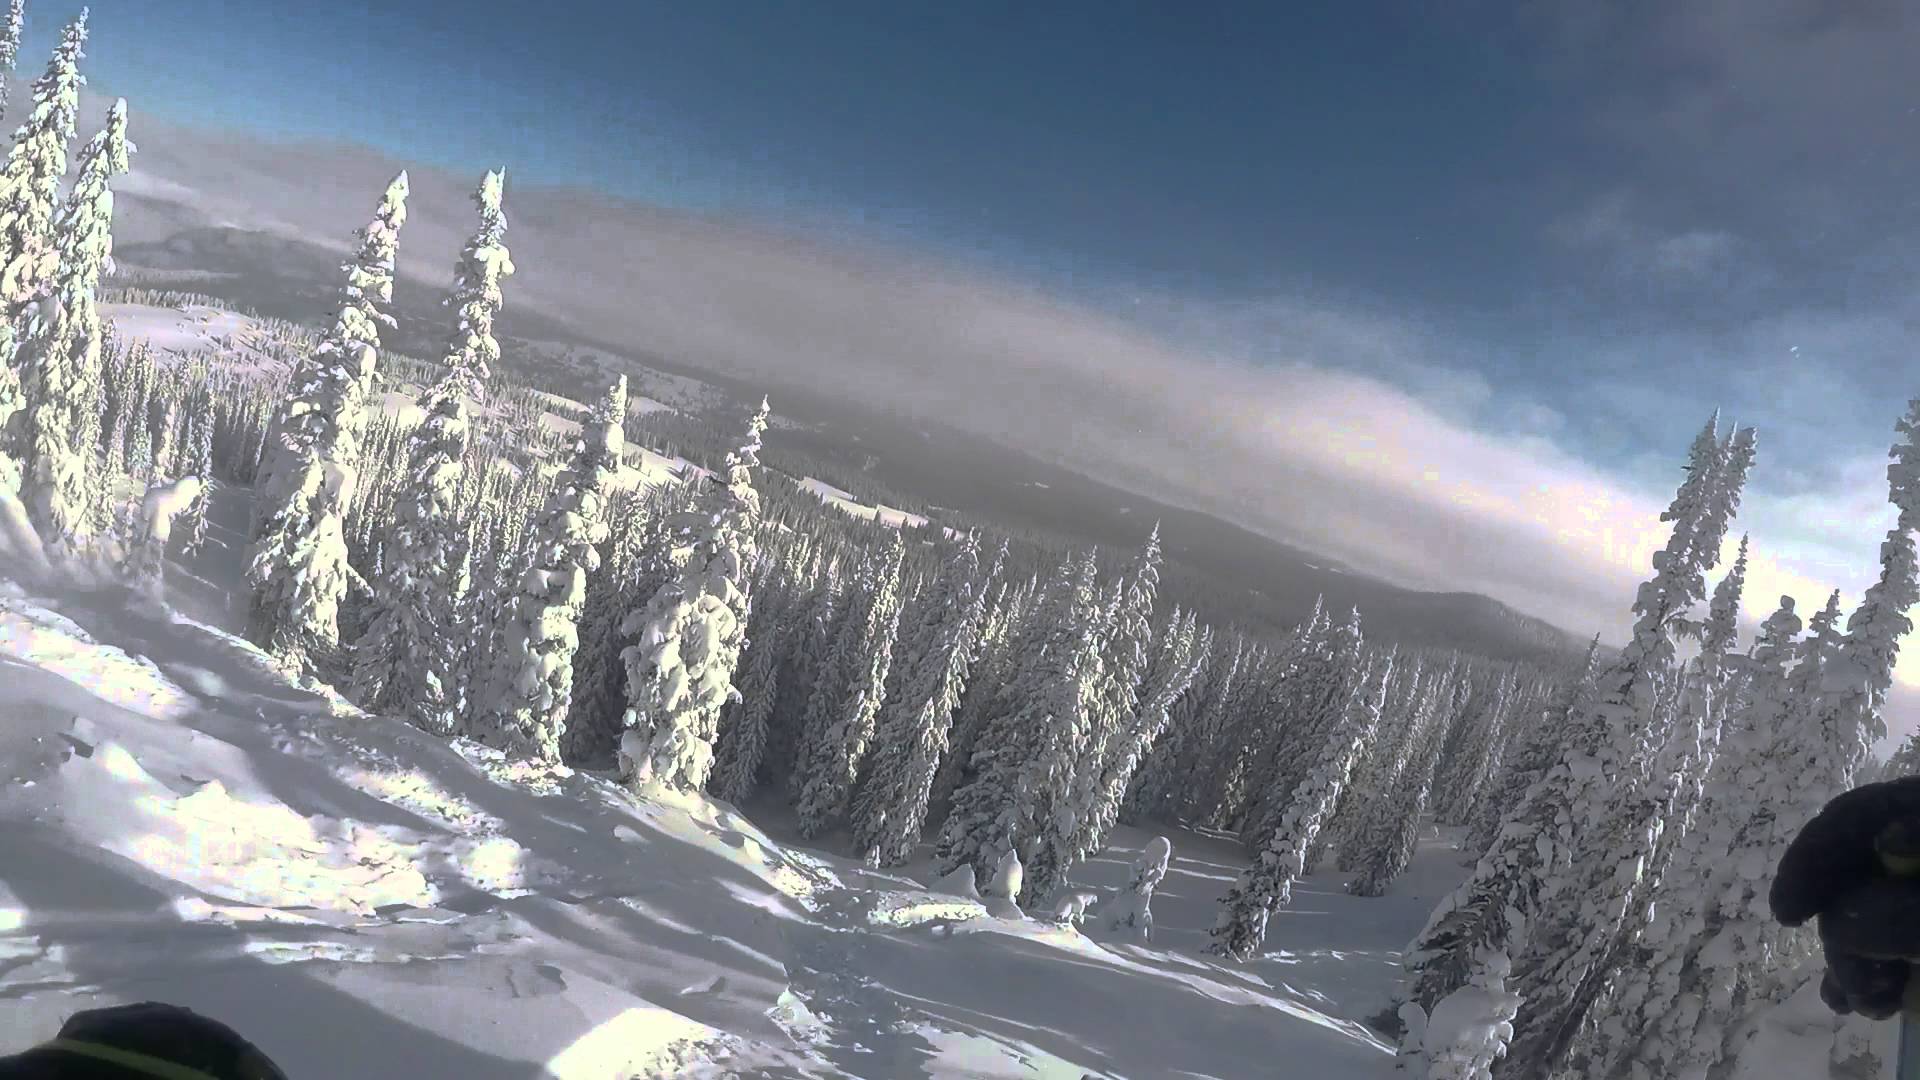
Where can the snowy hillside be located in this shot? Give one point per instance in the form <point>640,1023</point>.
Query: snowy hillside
<point>199,829</point>
<point>845,502</point>
<point>191,329</point>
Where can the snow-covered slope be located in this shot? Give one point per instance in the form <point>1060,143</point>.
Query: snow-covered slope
<point>847,503</point>
<point>192,329</point>
<point>179,822</point>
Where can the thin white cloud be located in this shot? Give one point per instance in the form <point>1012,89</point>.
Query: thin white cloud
<point>140,182</point>
<point>1615,228</point>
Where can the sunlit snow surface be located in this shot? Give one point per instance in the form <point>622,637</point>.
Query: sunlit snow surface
<point>179,822</point>
<point>845,502</point>
<point>193,329</point>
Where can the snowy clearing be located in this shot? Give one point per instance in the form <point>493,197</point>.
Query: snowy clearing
<point>174,332</point>
<point>845,501</point>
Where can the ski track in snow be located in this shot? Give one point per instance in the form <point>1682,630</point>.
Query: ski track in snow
<point>178,821</point>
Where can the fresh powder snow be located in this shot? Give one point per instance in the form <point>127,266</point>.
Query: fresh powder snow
<point>203,831</point>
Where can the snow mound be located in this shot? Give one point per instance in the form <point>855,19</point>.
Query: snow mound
<point>1801,1038</point>
<point>250,850</point>
<point>903,910</point>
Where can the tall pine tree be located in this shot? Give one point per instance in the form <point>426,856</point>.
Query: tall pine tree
<point>298,566</point>
<point>1629,795</point>
<point>892,805</point>
<point>410,660</point>
<point>1268,883</point>
<point>680,673</point>
<point>1493,912</point>
<point>1022,752</point>
<point>840,747</point>
<point>30,179</point>
<point>10,33</point>
<point>61,349</point>
<point>533,677</point>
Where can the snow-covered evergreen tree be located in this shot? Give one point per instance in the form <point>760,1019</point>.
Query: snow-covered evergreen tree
<point>1905,760</point>
<point>332,380</point>
<point>1151,782</point>
<point>1856,684</point>
<point>680,672</point>
<point>743,736</point>
<point>809,664</point>
<point>1023,753</point>
<point>201,458</point>
<point>1706,692</point>
<point>60,348</point>
<point>1701,691</point>
<point>10,33</point>
<point>1468,1030</point>
<point>106,511</point>
<point>839,659</point>
<point>162,505</point>
<point>1524,704</point>
<point>1268,883</point>
<point>409,661</point>
<point>1371,822</point>
<point>1474,757</point>
<point>1170,792</point>
<point>1379,762</point>
<point>1177,662</point>
<point>891,808</point>
<point>140,445</point>
<point>835,761</point>
<point>30,179</point>
<point>298,566</point>
<point>1133,907</point>
<point>1318,693</point>
<point>1534,750</point>
<point>1128,654</point>
<point>1301,703</point>
<point>1837,689</point>
<point>1246,731</point>
<point>1688,975</point>
<point>1066,729</point>
<point>1494,910</point>
<point>1613,769</point>
<point>1405,812</point>
<point>166,436</point>
<point>637,563</point>
<point>533,678</point>
<point>1004,632</point>
<point>1721,629</point>
<point>17,537</point>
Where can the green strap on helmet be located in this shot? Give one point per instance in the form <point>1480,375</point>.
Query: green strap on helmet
<point>152,1066</point>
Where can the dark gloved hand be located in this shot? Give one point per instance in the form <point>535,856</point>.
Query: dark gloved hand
<point>1869,918</point>
<point>123,1040</point>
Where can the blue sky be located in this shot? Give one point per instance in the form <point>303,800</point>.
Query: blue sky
<point>1433,164</point>
<point>1590,223</point>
